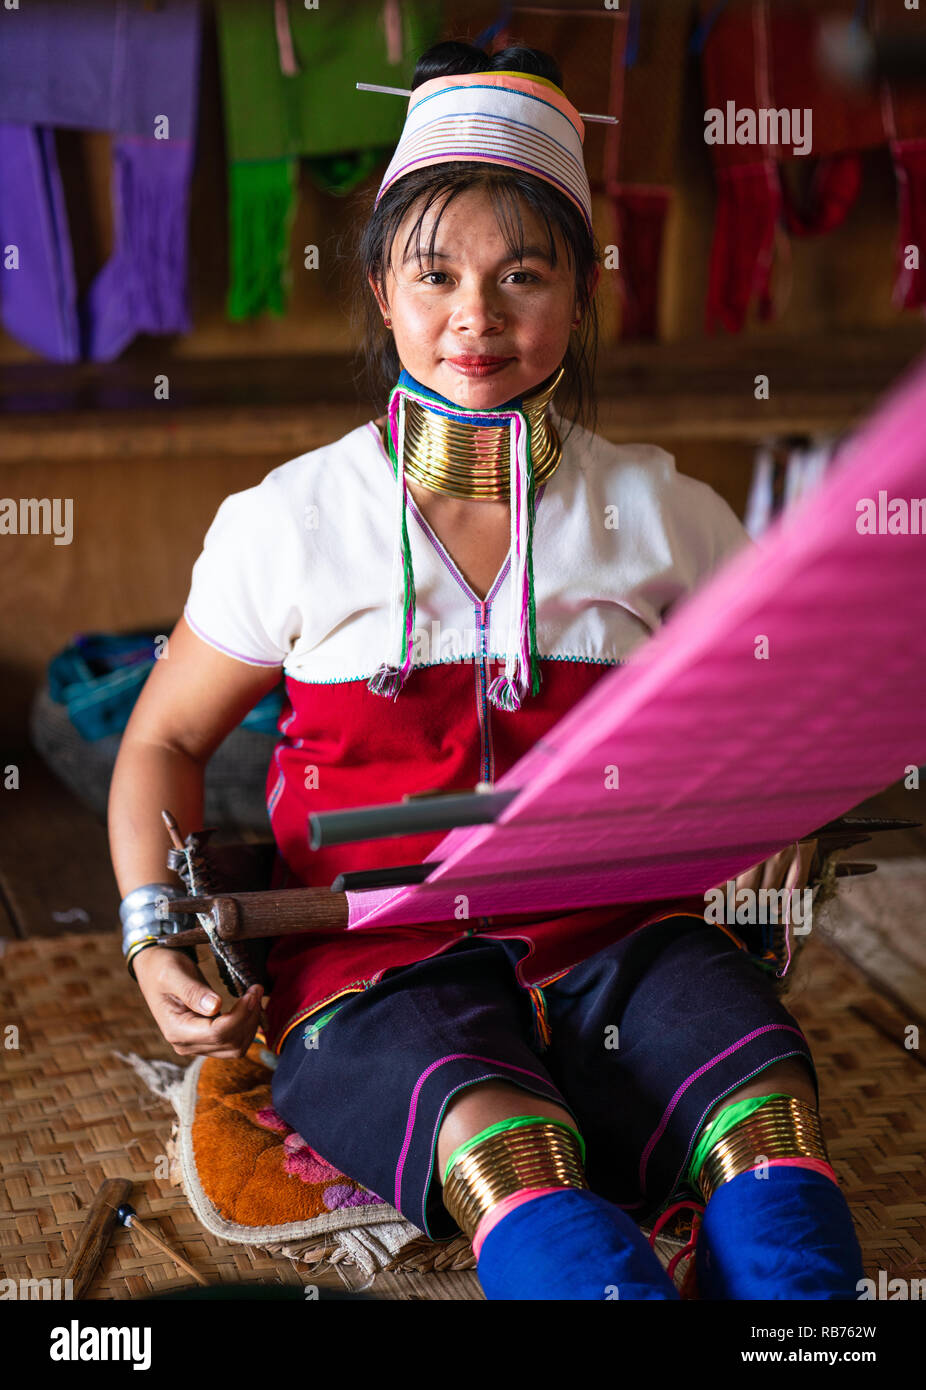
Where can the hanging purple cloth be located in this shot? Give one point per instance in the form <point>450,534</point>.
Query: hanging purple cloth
<point>123,68</point>
<point>38,290</point>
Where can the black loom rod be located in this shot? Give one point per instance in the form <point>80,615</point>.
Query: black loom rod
<point>406,817</point>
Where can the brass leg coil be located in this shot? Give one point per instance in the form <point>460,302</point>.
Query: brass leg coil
<point>782,1128</point>
<point>535,1155</point>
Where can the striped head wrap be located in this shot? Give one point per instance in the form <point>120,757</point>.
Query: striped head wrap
<point>521,122</point>
<point>509,118</point>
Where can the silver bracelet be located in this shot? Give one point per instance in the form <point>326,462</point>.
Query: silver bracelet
<point>145,916</point>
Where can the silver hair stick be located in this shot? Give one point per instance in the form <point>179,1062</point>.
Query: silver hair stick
<point>406,92</point>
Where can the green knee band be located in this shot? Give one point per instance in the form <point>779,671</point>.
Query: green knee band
<point>729,1116</point>
<point>515,1123</point>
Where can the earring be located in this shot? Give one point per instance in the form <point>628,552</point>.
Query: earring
<point>388,322</point>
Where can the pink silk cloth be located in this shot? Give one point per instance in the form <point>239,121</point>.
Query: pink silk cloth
<point>785,691</point>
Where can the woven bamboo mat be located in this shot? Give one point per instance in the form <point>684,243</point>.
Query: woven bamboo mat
<point>72,1113</point>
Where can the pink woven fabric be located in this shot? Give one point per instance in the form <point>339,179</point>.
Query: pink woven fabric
<point>719,759</point>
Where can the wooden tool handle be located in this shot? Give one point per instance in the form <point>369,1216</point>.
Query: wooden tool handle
<point>95,1233</point>
<point>241,916</point>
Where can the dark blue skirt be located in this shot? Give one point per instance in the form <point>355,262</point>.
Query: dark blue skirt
<point>638,1043</point>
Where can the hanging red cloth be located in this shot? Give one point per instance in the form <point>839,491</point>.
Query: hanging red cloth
<point>904,114</point>
<point>735,70</point>
<point>653,80</point>
<point>762,58</point>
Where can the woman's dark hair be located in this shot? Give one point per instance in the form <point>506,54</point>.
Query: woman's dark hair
<point>379,364</point>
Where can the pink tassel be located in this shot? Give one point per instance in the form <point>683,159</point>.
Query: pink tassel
<point>288,65</point>
<point>392,22</point>
<point>503,694</point>
<point>386,680</point>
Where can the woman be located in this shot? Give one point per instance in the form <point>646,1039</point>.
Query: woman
<point>541,1085</point>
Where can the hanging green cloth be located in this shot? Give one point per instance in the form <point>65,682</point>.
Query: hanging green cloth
<point>289,93</point>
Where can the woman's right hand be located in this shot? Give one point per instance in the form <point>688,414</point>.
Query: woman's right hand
<point>188,1011</point>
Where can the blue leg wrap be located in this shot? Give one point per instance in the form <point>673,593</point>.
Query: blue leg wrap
<point>570,1245</point>
<point>785,1236</point>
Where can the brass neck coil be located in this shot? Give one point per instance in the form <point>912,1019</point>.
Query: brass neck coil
<point>459,459</point>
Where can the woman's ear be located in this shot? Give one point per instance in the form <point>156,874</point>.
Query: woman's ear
<point>384,307</point>
<point>593,283</point>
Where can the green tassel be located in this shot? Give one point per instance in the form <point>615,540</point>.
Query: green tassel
<point>262,206</point>
<point>408,573</point>
<point>340,174</point>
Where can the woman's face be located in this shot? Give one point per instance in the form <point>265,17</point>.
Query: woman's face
<point>475,301</point>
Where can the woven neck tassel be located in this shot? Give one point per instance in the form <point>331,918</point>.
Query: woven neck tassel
<point>522,671</point>
<point>507,691</point>
<point>389,678</point>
